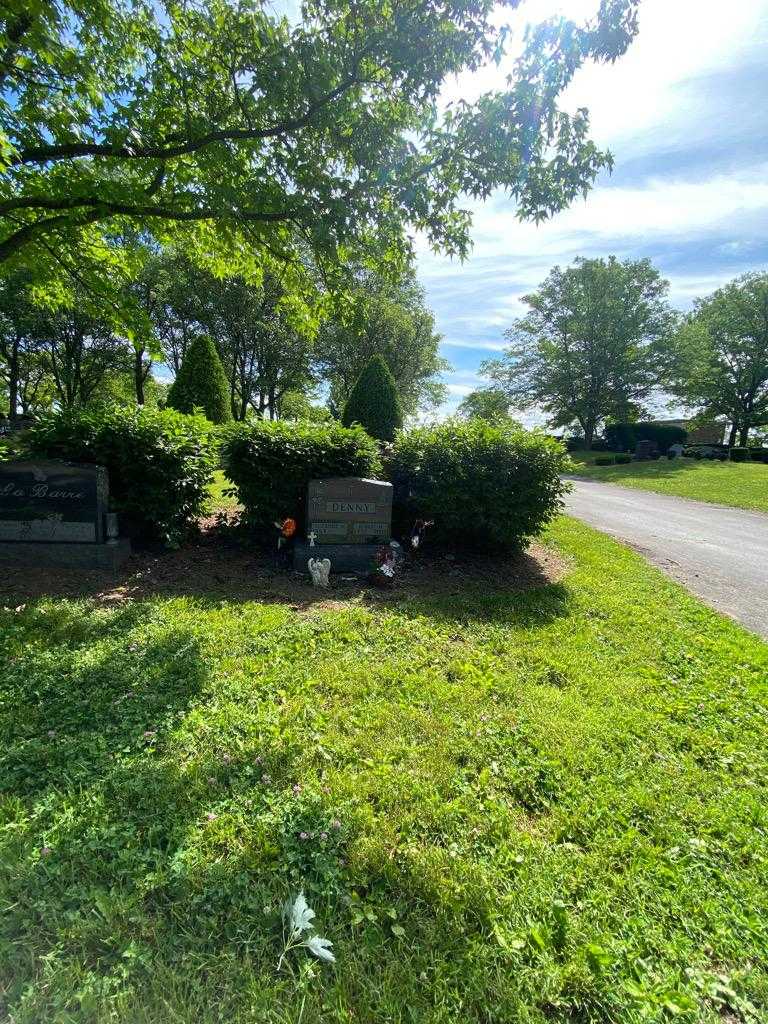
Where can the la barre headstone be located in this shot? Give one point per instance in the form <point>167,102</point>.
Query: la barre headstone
<point>55,513</point>
<point>348,519</point>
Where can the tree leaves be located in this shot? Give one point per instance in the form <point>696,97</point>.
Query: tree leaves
<point>324,132</point>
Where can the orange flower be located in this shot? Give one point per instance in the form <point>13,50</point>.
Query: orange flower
<point>288,528</point>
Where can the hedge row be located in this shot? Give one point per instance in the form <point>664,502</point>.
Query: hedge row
<point>271,463</point>
<point>623,437</point>
<point>485,486</point>
<point>159,463</point>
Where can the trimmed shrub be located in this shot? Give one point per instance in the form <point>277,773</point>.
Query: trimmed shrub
<point>485,486</point>
<point>622,437</point>
<point>739,454</point>
<point>159,462</point>
<point>374,402</point>
<point>759,454</point>
<point>622,460</point>
<point>201,383</point>
<point>271,463</point>
<point>605,460</point>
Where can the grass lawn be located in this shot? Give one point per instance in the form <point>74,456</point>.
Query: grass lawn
<point>549,805</point>
<point>216,488</point>
<point>739,484</point>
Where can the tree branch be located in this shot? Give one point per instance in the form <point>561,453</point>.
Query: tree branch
<point>68,151</point>
<point>102,210</point>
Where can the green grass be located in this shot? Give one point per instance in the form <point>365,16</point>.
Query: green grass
<point>738,484</point>
<point>220,500</point>
<point>520,807</point>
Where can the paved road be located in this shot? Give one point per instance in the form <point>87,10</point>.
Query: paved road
<point>720,554</point>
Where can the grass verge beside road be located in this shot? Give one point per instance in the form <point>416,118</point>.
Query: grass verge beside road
<point>739,484</point>
<point>549,805</point>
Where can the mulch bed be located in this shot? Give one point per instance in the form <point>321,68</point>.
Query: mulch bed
<point>217,565</point>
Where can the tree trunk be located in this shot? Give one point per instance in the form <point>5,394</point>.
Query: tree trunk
<point>589,435</point>
<point>732,434</point>
<point>744,434</point>
<point>13,378</point>
<point>138,375</point>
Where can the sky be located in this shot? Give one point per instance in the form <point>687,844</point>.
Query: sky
<point>685,114</point>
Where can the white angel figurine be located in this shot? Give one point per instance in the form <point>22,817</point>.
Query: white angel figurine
<point>319,568</point>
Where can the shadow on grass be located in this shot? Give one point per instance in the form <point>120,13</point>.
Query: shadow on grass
<point>83,690</point>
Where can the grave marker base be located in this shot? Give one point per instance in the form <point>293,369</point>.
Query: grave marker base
<point>73,555</point>
<point>355,558</point>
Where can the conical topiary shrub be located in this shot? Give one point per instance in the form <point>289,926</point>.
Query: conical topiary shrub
<point>374,402</point>
<point>201,382</point>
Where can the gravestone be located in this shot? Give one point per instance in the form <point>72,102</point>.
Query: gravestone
<point>348,519</point>
<point>55,513</point>
<point>646,450</point>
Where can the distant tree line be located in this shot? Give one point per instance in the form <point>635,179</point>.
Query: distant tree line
<point>288,345</point>
<point>600,339</point>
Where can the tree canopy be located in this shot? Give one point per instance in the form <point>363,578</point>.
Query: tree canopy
<point>386,317</point>
<point>489,404</point>
<point>720,356</point>
<point>243,131</point>
<point>589,347</point>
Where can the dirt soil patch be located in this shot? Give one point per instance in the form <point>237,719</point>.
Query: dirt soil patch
<point>215,565</point>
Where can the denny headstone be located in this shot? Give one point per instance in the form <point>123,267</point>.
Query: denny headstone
<point>54,513</point>
<point>348,519</point>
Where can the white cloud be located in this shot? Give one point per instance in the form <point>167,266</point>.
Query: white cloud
<point>662,111</point>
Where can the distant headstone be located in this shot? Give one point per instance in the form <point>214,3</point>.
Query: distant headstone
<point>56,513</point>
<point>675,450</point>
<point>349,510</point>
<point>646,449</point>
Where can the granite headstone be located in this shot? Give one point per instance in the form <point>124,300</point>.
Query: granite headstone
<point>55,513</point>
<point>348,519</point>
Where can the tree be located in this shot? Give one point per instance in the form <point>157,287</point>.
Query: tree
<point>180,302</point>
<point>489,404</point>
<point>79,349</point>
<point>21,368</point>
<point>201,382</point>
<point>265,353</point>
<point>720,356</point>
<point>589,348</point>
<point>263,326</point>
<point>173,118</point>
<point>374,403</point>
<point>388,318</point>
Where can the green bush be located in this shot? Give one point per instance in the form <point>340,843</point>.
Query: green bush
<point>374,403</point>
<point>271,463</point>
<point>484,485</point>
<point>739,454</point>
<point>605,460</point>
<point>622,460</point>
<point>201,383</point>
<point>622,437</point>
<point>159,462</point>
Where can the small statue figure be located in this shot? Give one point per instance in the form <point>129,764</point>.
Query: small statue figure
<point>319,569</point>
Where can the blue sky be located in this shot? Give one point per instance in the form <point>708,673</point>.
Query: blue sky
<point>685,114</point>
